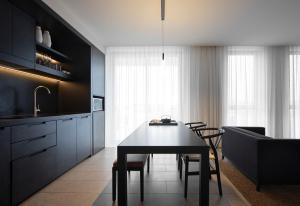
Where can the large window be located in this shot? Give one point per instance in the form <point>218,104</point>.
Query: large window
<point>140,87</point>
<point>245,87</point>
<point>294,88</point>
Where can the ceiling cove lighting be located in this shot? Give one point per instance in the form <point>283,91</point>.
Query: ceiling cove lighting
<point>13,71</point>
<point>162,17</point>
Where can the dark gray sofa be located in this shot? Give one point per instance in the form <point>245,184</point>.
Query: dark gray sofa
<point>262,159</point>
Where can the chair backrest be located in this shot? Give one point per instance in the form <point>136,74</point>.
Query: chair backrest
<point>195,125</point>
<point>213,135</point>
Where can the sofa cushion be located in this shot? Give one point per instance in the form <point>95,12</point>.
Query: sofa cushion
<point>254,134</point>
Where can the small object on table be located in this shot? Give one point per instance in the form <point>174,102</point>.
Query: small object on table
<point>157,122</point>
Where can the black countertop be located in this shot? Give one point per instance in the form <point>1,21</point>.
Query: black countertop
<point>24,119</point>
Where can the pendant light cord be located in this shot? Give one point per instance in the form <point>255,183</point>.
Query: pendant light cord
<point>162,28</point>
<point>163,40</point>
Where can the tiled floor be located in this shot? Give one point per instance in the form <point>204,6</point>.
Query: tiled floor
<point>90,183</point>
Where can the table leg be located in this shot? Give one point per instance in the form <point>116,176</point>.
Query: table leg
<point>204,179</point>
<point>122,178</point>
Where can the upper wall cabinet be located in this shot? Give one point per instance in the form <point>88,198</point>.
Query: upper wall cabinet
<point>23,42</point>
<point>98,72</point>
<point>5,24</point>
<point>17,38</point>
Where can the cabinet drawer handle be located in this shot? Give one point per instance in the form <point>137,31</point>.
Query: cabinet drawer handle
<point>36,153</point>
<point>40,123</point>
<point>84,117</point>
<point>64,120</point>
<point>37,138</point>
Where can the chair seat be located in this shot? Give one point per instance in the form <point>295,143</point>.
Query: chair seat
<point>134,161</point>
<point>196,157</point>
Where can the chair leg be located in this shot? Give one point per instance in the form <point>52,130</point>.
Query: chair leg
<point>114,171</point>
<point>186,177</point>
<point>148,164</point>
<point>152,155</point>
<point>218,176</point>
<point>142,184</point>
<point>180,167</point>
<point>179,161</point>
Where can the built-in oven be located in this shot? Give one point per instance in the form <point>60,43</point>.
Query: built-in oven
<point>98,103</point>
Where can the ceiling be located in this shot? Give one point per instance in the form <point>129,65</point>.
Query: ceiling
<point>188,22</point>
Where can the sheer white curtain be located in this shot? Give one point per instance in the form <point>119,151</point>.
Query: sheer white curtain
<point>246,86</point>
<point>140,87</point>
<point>291,106</point>
<point>204,101</point>
<point>242,86</point>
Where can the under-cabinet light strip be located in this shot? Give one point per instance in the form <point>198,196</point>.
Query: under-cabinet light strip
<point>15,71</point>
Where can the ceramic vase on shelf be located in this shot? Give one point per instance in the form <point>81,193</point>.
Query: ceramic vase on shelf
<point>38,35</point>
<point>47,39</point>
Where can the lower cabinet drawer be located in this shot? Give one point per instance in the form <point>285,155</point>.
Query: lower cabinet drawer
<point>27,131</point>
<point>30,146</point>
<point>31,173</point>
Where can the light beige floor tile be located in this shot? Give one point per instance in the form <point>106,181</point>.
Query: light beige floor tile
<point>61,186</point>
<point>61,199</point>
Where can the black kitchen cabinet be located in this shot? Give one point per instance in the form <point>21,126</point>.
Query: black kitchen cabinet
<point>83,137</point>
<point>23,37</point>
<point>66,144</point>
<point>5,25</point>
<point>98,131</point>
<point>32,172</point>
<point>17,36</point>
<point>5,166</point>
<point>98,72</point>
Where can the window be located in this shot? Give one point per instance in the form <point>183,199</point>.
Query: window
<point>294,88</point>
<point>245,87</point>
<point>140,87</point>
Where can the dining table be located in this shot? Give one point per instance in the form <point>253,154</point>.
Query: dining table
<point>163,139</point>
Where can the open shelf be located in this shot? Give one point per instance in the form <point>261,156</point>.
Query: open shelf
<point>52,72</point>
<point>52,52</point>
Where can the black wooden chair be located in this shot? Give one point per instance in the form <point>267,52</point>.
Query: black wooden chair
<point>135,162</point>
<point>193,126</point>
<point>213,136</point>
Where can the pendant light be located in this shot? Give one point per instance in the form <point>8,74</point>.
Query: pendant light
<point>162,6</point>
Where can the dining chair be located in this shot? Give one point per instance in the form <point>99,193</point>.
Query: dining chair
<point>213,137</point>
<point>135,162</point>
<point>193,126</point>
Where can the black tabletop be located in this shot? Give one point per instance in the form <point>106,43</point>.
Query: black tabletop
<point>157,136</point>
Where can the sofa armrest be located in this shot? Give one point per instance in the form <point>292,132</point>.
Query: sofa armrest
<point>259,130</point>
<point>241,150</point>
<point>278,161</point>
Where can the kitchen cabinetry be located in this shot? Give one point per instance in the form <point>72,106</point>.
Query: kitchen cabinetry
<point>83,137</point>
<point>33,153</point>
<point>98,72</point>
<point>66,144</point>
<point>98,131</point>
<point>23,41</point>
<point>5,25</point>
<point>32,172</point>
<point>17,42</point>
<point>5,166</point>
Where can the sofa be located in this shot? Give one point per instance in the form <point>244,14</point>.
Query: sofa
<point>263,159</point>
